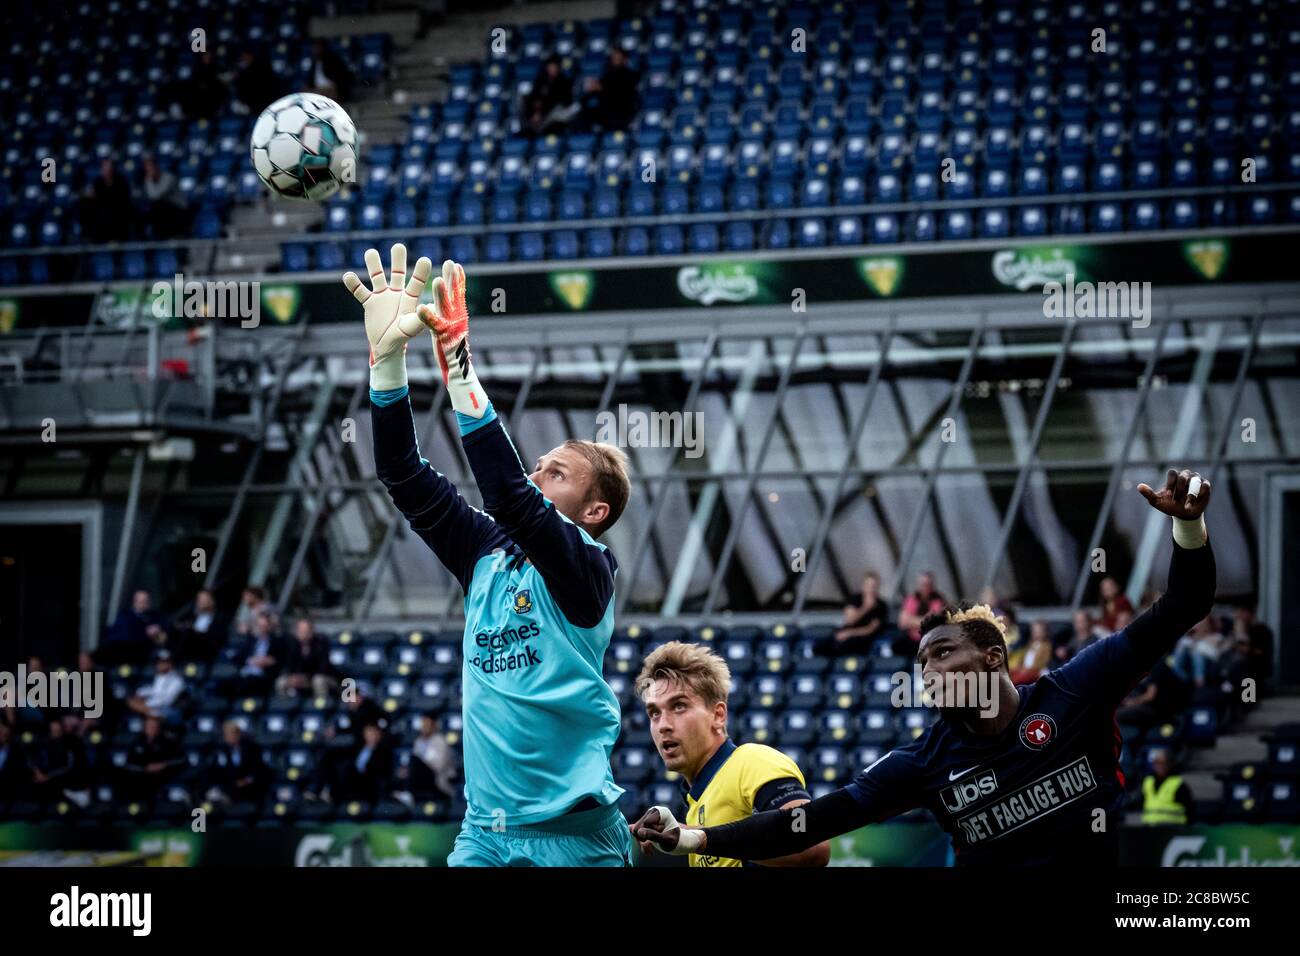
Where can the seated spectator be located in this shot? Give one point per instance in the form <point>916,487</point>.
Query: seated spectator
<point>15,771</point>
<point>161,696</point>
<point>1236,666</point>
<point>1166,798</point>
<point>329,72</point>
<point>367,774</point>
<point>307,665</point>
<point>251,602</point>
<point>203,93</point>
<point>60,769</point>
<point>1260,639</point>
<point>256,84</point>
<point>864,622</point>
<point>549,102</point>
<point>1158,698</point>
<point>611,101</point>
<point>164,207</point>
<point>153,761</point>
<point>86,665</point>
<point>1113,601</point>
<point>1084,633</point>
<point>202,632</point>
<point>28,712</point>
<point>433,764</point>
<point>259,659</point>
<point>1032,661</point>
<point>134,634</point>
<point>107,213</point>
<point>921,602</point>
<point>236,772</point>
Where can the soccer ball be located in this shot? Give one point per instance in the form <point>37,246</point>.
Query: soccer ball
<point>305,146</point>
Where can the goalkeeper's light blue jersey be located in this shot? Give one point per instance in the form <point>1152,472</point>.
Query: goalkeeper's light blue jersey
<point>539,719</point>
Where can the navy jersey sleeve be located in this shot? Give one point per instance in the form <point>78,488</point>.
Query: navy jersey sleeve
<point>886,788</point>
<point>777,793</point>
<point>458,533</point>
<point>578,572</point>
<point>1108,669</point>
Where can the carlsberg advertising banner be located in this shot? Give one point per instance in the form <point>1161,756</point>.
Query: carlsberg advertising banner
<point>715,282</point>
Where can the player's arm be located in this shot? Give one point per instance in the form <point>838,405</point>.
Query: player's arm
<point>1114,664</point>
<point>884,789</point>
<point>458,534</point>
<point>771,780</point>
<point>579,574</point>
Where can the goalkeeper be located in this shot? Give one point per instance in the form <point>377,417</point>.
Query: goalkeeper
<point>539,719</point>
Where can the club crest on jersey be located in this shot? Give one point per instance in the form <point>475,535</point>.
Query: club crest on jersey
<point>523,602</point>
<point>1037,731</point>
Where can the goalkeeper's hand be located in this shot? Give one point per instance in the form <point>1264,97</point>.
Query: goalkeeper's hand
<point>448,319</point>
<point>391,321</point>
<point>658,827</point>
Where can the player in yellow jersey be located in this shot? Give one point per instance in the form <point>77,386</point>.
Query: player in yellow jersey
<point>684,688</point>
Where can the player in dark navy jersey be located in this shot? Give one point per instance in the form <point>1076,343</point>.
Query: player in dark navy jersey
<point>1029,777</point>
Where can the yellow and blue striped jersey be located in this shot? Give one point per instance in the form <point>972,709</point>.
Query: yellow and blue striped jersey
<point>737,782</point>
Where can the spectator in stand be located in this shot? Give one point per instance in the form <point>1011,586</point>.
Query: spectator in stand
<point>61,769</point>
<point>1035,658</point>
<point>1158,698</point>
<point>1260,639</point>
<point>1236,667</point>
<point>367,774</point>
<point>611,101</point>
<point>259,660</point>
<point>1113,601</point>
<point>164,206</point>
<point>433,763</point>
<point>256,84</point>
<point>107,212</point>
<point>549,102</point>
<point>1166,798</point>
<point>202,95</point>
<point>330,74</point>
<point>134,634</point>
<point>153,760</point>
<point>251,602</point>
<point>236,772</point>
<point>15,772</point>
<point>924,600</point>
<point>161,696</point>
<point>343,736</point>
<point>865,619</point>
<point>202,632</point>
<point>307,666</point>
<point>1083,633</point>
<point>29,712</point>
<point>112,706</point>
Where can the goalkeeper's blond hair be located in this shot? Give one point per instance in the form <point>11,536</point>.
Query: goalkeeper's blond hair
<point>984,628</point>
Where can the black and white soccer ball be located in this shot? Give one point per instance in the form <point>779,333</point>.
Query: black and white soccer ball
<point>305,146</point>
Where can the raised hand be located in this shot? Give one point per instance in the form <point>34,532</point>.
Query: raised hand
<point>391,319</point>
<point>448,319</point>
<point>1185,495</point>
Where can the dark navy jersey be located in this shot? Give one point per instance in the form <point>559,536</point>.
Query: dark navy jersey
<point>1032,793</point>
<point>1047,789</point>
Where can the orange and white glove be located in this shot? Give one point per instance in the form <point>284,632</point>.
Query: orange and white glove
<point>448,319</point>
<point>391,321</point>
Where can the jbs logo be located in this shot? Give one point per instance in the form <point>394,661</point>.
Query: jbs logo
<point>968,791</point>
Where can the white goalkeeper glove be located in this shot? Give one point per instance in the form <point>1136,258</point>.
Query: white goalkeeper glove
<point>666,834</point>
<point>391,321</point>
<point>448,319</point>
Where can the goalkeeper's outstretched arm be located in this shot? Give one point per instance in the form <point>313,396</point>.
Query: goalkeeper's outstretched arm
<point>578,572</point>
<point>458,534</point>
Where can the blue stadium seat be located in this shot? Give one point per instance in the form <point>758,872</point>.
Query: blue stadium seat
<point>294,257</point>
<point>668,240</point>
<point>739,236</point>
<point>598,243</point>
<point>564,244</point>
<point>530,246</point>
